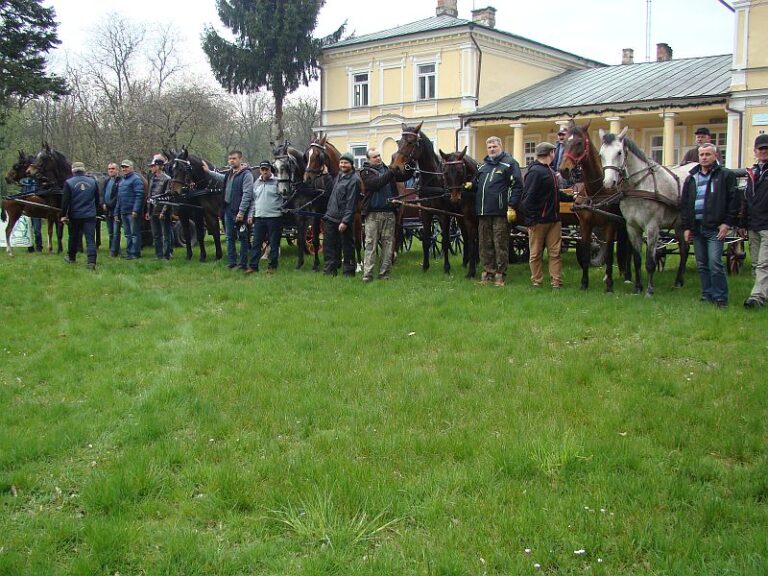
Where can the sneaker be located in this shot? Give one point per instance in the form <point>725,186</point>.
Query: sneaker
<point>367,279</point>
<point>486,278</point>
<point>270,270</point>
<point>722,304</point>
<point>384,277</point>
<point>498,280</point>
<point>556,286</point>
<point>69,260</point>
<point>231,265</point>
<point>250,270</point>
<point>752,303</point>
<point>91,266</point>
<point>534,285</point>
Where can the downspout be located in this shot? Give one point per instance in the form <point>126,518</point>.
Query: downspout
<point>477,81</point>
<point>741,133</point>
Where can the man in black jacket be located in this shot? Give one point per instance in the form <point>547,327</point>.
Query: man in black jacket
<point>541,212</point>
<point>710,206</point>
<point>754,219</point>
<point>157,212</point>
<point>339,219</point>
<point>379,214</point>
<point>79,205</point>
<point>108,207</point>
<point>498,186</point>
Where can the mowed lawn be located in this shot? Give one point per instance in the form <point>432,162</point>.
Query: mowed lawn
<point>180,418</point>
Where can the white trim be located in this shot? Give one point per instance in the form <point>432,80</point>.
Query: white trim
<point>416,76</point>
<point>351,72</point>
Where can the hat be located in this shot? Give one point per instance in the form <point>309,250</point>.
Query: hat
<point>265,164</point>
<point>563,130</point>
<point>761,141</point>
<point>544,148</point>
<point>78,167</point>
<point>127,163</point>
<point>348,157</point>
<point>157,160</point>
<point>703,130</point>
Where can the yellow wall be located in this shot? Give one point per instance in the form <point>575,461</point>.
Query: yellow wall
<point>757,50</point>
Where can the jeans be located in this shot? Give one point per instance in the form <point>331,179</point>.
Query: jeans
<point>236,232</point>
<point>37,228</point>
<point>709,262</point>
<point>758,253</point>
<point>113,230</point>
<point>132,232</point>
<point>82,227</point>
<point>162,236</point>
<point>270,229</point>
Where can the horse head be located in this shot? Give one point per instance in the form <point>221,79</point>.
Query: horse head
<point>289,167</point>
<point>614,157</point>
<point>320,156</point>
<point>50,167</point>
<point>409,148</point>
<point>19,169</point>
<point>576,148</point>
<point>457,169</point>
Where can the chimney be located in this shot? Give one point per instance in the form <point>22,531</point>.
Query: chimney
<point>627,56</point>
<point>447,8</point>
<point>485,16</point>
<point>663,52</point>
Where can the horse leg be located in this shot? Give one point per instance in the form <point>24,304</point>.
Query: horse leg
<point>636,243</point>
<point>470,240</point>
<point>301,240</point>
<point>583,251</point>
<point>187,234</point>
<point>14,213</point>
<point>446,243</point>
<point>316,242</point>
<point>684,251</point>
<point>426,237</point>
<point>200,229</point>
<point>59,236</point>
<point>652,234</point>
<point>609,233</point>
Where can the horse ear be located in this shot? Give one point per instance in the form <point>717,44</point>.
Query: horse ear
<point>462,153</point>
<point>571,125</point>
<point>443,155</point>
<point>404,127</point>
<point>623,132</point>
<point>602,133</point>
<point>272,143</point>
<point>586,126</point>
<point>418,128</point>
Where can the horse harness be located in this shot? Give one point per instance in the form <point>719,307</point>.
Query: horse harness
<point>629,189</point>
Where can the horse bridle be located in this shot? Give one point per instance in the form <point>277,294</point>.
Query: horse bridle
<point>323,156</point>
<point>577,160</point>
<point>189,180</point>
<point>462,175</point>
<point>415,147</point>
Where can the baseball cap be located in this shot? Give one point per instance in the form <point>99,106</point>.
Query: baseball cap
<point>761,141</point>
<point>126,163</point>
<point>703,130</point>
<point>544,148</point>
<point>157,160</point>
<point>78,167</point>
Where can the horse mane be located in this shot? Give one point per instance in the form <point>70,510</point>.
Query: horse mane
<point>635,149</point>
<point>609,139</point>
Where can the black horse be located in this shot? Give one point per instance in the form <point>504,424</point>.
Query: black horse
<point>197,197</point>
<point>459,169</point>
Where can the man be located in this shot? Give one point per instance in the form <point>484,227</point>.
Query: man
<point>379,214</point>
<point>559,148</point>
<point>339,219</point>
<point>710,206</point>
<point>79,204</point>
<point>754,220</point>
<point>130,200</point>
<point>262,205</point>
<point>29,186</point>
<point>237,182</point>
<point>541,212</point>
<point>498,186</point>
<point>157,213</point>
<point>703,136</point>
<point>110,209</point>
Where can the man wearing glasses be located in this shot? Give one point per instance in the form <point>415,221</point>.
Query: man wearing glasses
<point>754,220</point>
<point>379,215</point>
<point>262,205</point>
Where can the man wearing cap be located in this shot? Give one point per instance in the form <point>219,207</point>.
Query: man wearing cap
<point>559,148</point>
<point>110,208</point>
<point>709,207</point>
<point>703,136</point>
<point>541,212</point>
<point>498,186</point>
<point>379,214</point>
<point>262,206</point>
<point>237,181</point>
<point>339,219</point>
<point>754,220</point>
<point>157,212</point>
<point>130,200</point>
<point>79,205</point>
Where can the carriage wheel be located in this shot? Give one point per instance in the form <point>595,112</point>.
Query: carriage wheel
<point>407,239</point>
<point>456,244</point>
<point>596,252</point>
<point>734,257</point>
<point>518,249</point>
<point>434,241</point>
<point>178,233</point>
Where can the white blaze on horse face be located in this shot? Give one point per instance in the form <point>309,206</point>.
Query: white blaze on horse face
<point>283,176</point>
<point>611,155</point>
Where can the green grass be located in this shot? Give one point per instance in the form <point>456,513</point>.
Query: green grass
<point>180,418</point>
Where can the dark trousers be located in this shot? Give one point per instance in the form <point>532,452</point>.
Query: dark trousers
<point>113,229</point>
<point>37,228</point>
<point>270,229</point>
<point>162,236</point>
<point>236,232</point>
<point>337,244</point>
<point>82,227</point>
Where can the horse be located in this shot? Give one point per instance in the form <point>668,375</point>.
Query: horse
<point>198,199</point>
<point>650,200</point>
<point>597,207</point>
<point>320,157</point>
<point>298,195</point>
<point>457,170</point>
<point>416,155</point>
<point>50,169</point>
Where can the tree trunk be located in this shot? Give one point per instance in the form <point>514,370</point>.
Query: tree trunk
<point>279,97</point>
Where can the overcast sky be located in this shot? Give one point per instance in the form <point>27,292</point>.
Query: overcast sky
<point>596,29</point>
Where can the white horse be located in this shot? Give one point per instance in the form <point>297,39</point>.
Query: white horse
<point>650,201</point>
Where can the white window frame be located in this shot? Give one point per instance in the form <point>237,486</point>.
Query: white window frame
<point>720,139</point>
<point>529,150</point>
<point>424,76</point>
<point>652,150</point>
<point>426,59</point>
<point>351,73</point>
<point>357,149</point>
<point>365,90</point>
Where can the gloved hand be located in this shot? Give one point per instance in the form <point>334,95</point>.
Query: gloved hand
<point>511,215</point>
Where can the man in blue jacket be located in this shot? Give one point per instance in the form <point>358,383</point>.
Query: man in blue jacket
<point>130,201</point>
<point>79,204</point>
<point>498,187</point>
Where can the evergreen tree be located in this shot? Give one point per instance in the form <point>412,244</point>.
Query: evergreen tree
<point>27,33</point>
<point>273,48</point>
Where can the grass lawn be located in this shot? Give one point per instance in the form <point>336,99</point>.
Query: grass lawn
<point>180,418</point>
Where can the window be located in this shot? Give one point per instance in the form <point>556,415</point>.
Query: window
<point>358,151</point>
<point>360,90</point>
<point>426,81</point>
<point>657,149</point>
<point>720,139</point>
<point>529,151</point>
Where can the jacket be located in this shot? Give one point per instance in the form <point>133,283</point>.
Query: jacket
<point>693,156</point>
<point>110,194</point>
<point>754,204</point>
<point>236,184</point>
<point>498,185</point>
<point>343,198</point>
<point>263,200</point>
<point>379,184</point>
<point>158,185</point>
<point>80,198</point>
<point>721,201</point>
<point>130,194</point>
<point>541,195</point>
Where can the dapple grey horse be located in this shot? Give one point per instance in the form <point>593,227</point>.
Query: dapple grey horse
<point>650,201</point>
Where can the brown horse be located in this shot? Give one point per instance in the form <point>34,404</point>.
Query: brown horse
<point>48,169</point>
<point>458,169</point>
<point>597,207</point>
<point>321,157</point>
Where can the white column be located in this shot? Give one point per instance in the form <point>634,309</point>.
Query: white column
<point>615,124</point>
<point>518,150</point>
<point>668,157</point>
<point>468,138</point>
<point>733,152</point>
